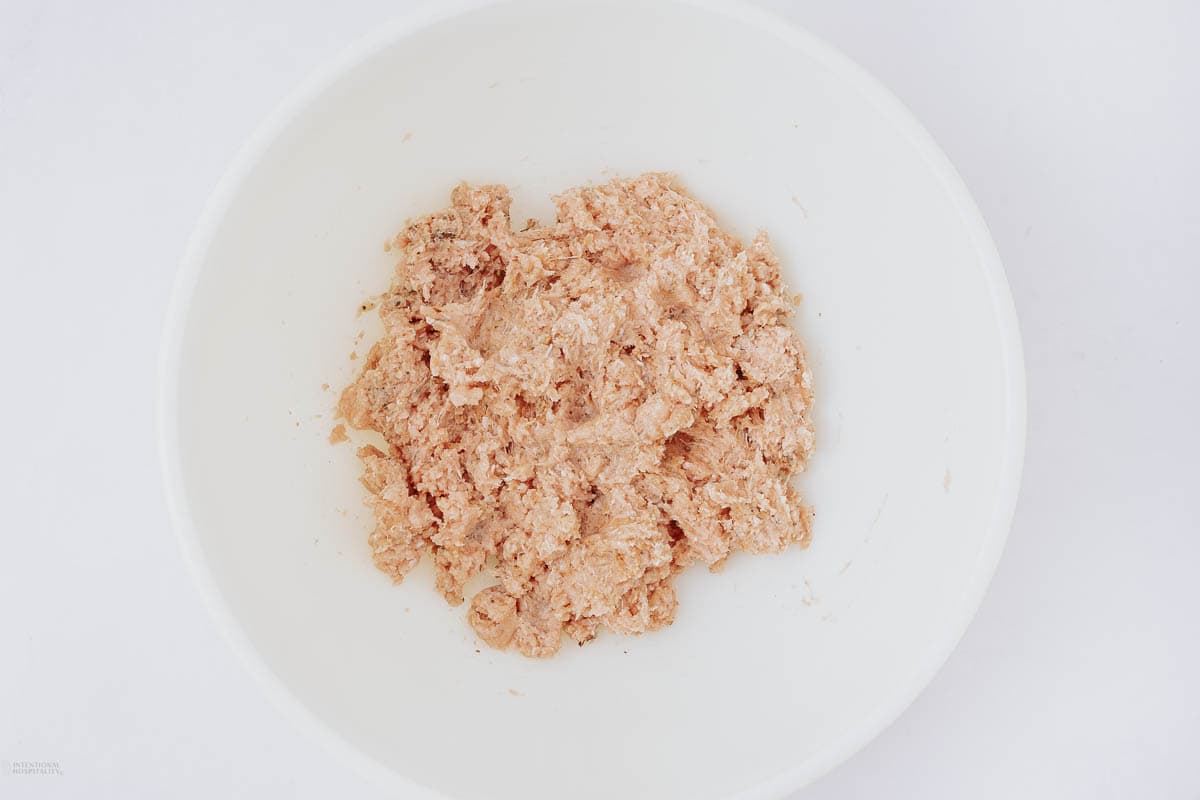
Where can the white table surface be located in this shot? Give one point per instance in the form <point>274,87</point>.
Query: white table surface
<point>1075,124</point>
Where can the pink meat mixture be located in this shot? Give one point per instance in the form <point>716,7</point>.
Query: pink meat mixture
<point>581,409</point>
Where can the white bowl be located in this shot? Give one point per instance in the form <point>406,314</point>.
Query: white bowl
<point>776,669</point>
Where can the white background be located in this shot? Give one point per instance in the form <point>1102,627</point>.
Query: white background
<point>1076,125</point>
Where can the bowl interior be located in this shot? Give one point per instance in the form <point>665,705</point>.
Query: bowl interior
<point>775,668</point>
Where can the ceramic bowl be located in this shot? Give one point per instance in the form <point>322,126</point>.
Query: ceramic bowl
<point>777,668</point>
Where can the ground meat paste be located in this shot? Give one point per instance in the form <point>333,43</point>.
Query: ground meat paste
<point>581,409</point>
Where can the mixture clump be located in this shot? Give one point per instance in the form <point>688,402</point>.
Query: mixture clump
<point>581,409</point>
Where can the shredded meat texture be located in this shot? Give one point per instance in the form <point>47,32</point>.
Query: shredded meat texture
<point>581,409</point>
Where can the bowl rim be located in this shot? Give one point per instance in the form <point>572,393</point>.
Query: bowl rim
<point>767,23</point>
